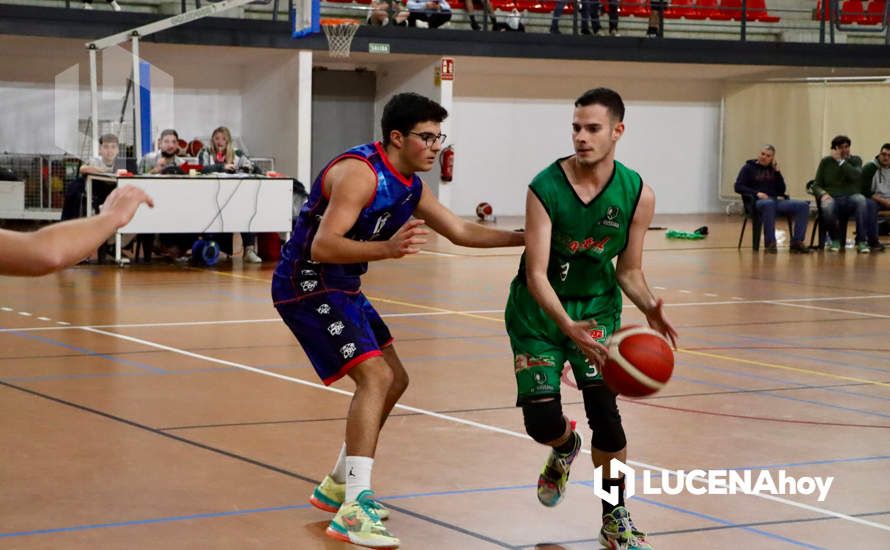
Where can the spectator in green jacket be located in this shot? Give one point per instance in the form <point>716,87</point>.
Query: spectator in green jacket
<point>838,188</point>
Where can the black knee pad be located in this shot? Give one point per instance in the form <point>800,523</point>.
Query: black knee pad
<point>604,418</point>
<point>544,421</point>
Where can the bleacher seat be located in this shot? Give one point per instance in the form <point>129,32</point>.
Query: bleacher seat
<point>680,8</point>
<point>636,8</point>
<point>757,12</point>
<point>852,11</point>
<point>712,10</point>
<point>874,13</point>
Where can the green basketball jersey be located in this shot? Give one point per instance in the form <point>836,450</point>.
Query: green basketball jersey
<point>585,237</point>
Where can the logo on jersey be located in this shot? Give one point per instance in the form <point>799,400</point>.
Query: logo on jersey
<point>308,286</point>
<point>598,332</point>
<point>378,227</point>
<point>348,350</point>
<point>324,309</point>
<point>334,329</point>
<point>588,244</point>
<point>523,361</point>
<point>611,214</point>
<point>308,273</point>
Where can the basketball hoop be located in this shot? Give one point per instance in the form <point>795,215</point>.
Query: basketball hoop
<point>339,33</point>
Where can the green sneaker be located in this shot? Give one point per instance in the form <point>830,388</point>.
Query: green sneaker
<point>553,479</point>
<point>834,246</point>
<point>619,533</point>
<point>329,495</point>
<point>356,522</point>
<point>863,248</point>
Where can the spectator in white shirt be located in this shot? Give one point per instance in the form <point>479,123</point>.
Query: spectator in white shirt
<point>435,12</point>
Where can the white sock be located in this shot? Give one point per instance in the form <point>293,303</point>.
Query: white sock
<point>338,474</point>
<point>358,475</point>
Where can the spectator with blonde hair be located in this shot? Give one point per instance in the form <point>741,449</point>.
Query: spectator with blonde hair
<point>221,156</point>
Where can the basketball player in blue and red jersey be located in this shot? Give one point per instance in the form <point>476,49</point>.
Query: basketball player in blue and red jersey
<point>359,210</point>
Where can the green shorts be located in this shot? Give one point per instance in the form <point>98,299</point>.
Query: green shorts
<point>540,349</point>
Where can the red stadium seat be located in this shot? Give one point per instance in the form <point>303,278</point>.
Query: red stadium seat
<point>711,10</point>
<point>757,12</point>
<point>852,11</point>
<point>680,8</point>
<point>637,8</point>
<point>874,13</point>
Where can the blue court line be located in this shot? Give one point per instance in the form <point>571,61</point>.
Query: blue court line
<point>802,386</point>
<point>393,498</point>
<point>760,340</point>
<point>727,523</point>
<point>85,351</point>
<point>153,521</point>
<point>783,397</point>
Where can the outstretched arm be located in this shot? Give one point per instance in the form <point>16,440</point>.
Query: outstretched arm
<point>462,232</point>
<point>630,268</point>
<point>63,244</point>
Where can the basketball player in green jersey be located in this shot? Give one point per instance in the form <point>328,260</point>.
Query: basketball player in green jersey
<point>581,212</point>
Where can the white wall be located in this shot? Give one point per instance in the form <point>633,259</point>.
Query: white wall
<point>269,102</point>
<point>417,76</point>
<point>506,135</point>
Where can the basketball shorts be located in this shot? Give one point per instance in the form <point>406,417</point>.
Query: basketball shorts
<point>337,330</point>
<point>540,349</point>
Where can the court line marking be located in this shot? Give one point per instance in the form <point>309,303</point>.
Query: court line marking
<point>458,420</point>
<point>477,314</point>
<point>783,367</point>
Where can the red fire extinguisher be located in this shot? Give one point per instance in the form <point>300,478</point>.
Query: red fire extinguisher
<point>446,160</point>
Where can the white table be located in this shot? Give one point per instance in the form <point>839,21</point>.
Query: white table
<point>205,204</point>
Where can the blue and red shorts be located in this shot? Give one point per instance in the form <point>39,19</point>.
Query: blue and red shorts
<point>337,329</point>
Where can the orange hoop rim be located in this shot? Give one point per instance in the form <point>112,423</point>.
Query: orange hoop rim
<point>333,21</point>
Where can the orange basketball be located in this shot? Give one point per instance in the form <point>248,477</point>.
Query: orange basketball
<point>640,361</point>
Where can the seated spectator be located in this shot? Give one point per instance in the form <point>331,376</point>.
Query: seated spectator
<point>435,12</point>
<point>761,179</point>
<point>838,187</point>
<point>385,12</point>
<point>72,206</point>
<point>221,156</point>
<point>514,23</point>
<point>876,178</point>
<point>557,13</point>
<point>164,158</point>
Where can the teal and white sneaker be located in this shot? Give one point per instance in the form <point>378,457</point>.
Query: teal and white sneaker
<point>357,523</point>
<point>553,479</point>
<point>619,532</point>
<point>329,496</point>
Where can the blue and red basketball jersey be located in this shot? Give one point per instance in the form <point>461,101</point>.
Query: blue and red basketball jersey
<point>393,203</point>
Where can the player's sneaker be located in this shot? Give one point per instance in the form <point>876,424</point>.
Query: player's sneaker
<point>358,523</point>
<point>329,495</point>
<point>619,533</point>
<point>553,479</point>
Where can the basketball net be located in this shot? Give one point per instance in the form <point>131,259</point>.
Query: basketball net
<point>339,33</point>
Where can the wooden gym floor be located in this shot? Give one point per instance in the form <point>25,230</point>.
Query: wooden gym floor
<point>168,407</point>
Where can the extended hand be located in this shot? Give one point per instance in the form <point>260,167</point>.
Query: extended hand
<point>579,332</point>
<point>407,239</point>
<point>122,203</point>
<point>658,322</point>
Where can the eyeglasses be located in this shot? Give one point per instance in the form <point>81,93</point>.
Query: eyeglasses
<point>429,138</point>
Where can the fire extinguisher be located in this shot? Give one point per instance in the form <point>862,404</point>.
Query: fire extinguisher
<point>446,160</point>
